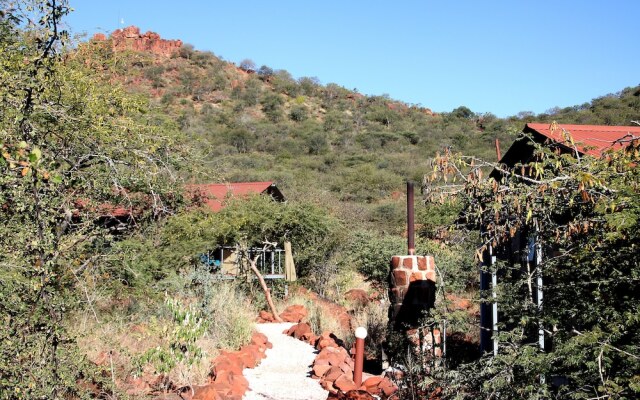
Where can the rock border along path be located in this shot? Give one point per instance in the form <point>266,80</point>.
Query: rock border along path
<point>284,373</point>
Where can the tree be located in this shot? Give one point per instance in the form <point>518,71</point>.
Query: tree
<point>272,106</point>
<point>462,112</point>
<point>585,213</point>
<point>299,113</point>
<point>265,73</point>
<point>247,65</point>
<point>72,147</point>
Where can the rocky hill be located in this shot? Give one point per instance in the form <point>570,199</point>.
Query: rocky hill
<point>321,142</point>
<point>130,38</point>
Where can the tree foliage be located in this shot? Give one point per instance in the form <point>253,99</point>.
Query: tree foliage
<point>73,148</point>
<point>584,214</point>
<point>253,221</point>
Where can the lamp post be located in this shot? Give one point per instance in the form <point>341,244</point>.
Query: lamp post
<point>361,333</point>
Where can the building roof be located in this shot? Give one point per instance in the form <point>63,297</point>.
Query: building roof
<point>589,139</point>
<point>214,195</point>
<point>593,140</point>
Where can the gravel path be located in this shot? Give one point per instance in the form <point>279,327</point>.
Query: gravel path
<point>283,375</point>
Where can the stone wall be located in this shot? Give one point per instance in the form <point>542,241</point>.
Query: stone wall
<point>412,292</point>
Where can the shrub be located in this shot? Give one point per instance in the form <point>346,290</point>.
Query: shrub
<point>299,113</point>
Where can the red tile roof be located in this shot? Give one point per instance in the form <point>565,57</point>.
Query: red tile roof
<point>589,139</point>
<point>215,194</point>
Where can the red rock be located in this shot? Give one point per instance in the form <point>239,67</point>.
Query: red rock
<point>266,316</point>
<point>459,303</point>
<point>351,363</point>
<point>408,262</point>
<point>346,369</point>
<point>342,351</point>
<point>227,363</point>
<point>366,375</point>
<point>322,343</point>
<point>328,385</point>
<point>372,381</point>
<point>99,37</point>
<point>312,339</point>
<point>387,387</point>
<point>249,358</point>
<point>294,313</point>
<point>321,361</point>
<point>358,395</point>
<point>358,297</point>
<point>239,385</point>
<point>336,359</point>
<point>332,374</point>
<point>344,383</point>
<point>223,388</point>
<point>137,386</point>
<point>325,353</point>
<point>320,370</point>
<point>303,331</point>
<point>371,384</point>
<point>259,338</point>
<point>130,38</point>
<point>207,392</point>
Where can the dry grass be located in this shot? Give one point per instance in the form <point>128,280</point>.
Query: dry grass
<point>117,340</point>
<point>319,318</point>
<point>375,318</point>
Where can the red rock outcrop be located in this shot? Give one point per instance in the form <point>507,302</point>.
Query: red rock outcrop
<point>302,331</point>
<point>130,38</point>
<point>99,37</point>
<point>294,313</point>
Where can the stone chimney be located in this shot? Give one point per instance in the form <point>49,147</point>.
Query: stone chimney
<point>412,292</point>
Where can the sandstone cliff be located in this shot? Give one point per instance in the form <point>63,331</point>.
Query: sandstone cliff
<point>130,38</point>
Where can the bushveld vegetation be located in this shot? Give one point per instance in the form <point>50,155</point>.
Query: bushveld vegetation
<point>85,131</point>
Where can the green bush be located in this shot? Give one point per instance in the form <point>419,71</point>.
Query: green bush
<point>298,113</point>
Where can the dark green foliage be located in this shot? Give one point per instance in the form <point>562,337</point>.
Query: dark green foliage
<point>314,236</point>
<point>462,112</point>
<point>298,113</point>
<point>272,106</point>
<point>265,73</point>
<point>585,214</point>
<point>67,160</point>
<point>317,144</point>
<point>370,253</point>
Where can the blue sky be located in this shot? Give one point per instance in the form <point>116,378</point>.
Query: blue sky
<point>501,56</point>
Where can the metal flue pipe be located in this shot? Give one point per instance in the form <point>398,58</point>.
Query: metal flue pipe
<point>411,240</point>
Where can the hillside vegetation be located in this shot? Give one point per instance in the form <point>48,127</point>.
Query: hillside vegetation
<point>320,142</point>
<point>100,287</point>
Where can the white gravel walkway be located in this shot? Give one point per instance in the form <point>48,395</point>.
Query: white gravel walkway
<point>283,375</point>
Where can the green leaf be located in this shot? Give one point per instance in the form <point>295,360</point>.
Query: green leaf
<point>35,154</point>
